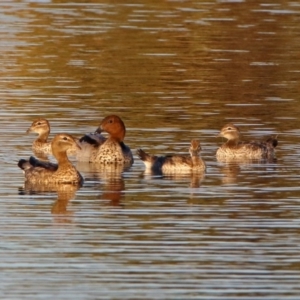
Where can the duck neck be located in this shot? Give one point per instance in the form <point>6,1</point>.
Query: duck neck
<point>194,153</point>
<point>232,142</point>
<point>195,156</point>
<point>196,160</point>
<point>118,138</point>
<point>62,158</point>
<point>43,137</point>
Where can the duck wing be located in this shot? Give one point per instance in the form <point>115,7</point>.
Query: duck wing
<point>34,163</point>
<point>89,143</point>
<point>43,164</point>
<point>94,139</point>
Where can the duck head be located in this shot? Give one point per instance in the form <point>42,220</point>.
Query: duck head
<point>114,126</point>
<point>230,132</point>
<point>62,142</point>
<point>40,126</point>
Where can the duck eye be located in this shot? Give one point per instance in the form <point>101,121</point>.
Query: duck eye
<point>39,123</point>
<point>229,128</point>
<point>65,138</point>
<point>110,121</point>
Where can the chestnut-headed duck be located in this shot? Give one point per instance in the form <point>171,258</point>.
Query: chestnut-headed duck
<point>175,163</point>
<point>41,172</point>
<point>106,151</point>
<point>234,149</point>
<point>41,145</point>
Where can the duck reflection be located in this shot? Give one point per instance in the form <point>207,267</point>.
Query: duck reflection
<point>65,193</point>
<point>106,178</point>
<point>230,171</point>
<point>232,167</point>
<point>113,191</point>
<point>193,178</point>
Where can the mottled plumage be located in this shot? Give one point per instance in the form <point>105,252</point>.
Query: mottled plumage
<point>174,163</point>
<point>41,172</point>
<point>234,149</point>
<point>106,151</point>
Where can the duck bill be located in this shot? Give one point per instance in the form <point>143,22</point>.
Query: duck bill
<point>99,130</point>
<point>28,130</point>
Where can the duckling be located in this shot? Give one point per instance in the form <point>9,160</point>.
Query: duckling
<point>233,148</point>
<point>175,163</point>
<point>106,151</point>
<point>41,172</point>
<point>41,146</point>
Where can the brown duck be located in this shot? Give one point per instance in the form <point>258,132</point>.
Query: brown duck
<point>106,151</point>
<point>234,148</point>
<point>41,145</point>
<point>175,163</point>
<point>41,172</point>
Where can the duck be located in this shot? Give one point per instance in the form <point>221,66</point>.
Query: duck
<point>175,163</point>
<point>235,149</point>
<point>41,146</point>
<point>41,172</point>
<point>111,150</point>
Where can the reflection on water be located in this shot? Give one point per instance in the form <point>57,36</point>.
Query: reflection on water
<point>106,178</point>
<point>174,71</point>
<point>194,178</point>
<point>230,172</point>
<point>65,193</point>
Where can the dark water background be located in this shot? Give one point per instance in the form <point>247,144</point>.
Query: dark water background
<point>173,70</point>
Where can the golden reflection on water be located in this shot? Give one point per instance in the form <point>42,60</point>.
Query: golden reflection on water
<point>213,57</point>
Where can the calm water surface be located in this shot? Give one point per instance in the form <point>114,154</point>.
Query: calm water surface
<point>173,70</point>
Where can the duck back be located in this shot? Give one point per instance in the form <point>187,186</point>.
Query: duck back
<point>250,150</point>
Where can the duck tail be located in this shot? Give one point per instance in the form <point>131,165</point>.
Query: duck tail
<point>24,164</point>
<point>143,155</point>
<point>272,141</point>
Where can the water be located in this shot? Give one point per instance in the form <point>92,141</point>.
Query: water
<point>173,71</point>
